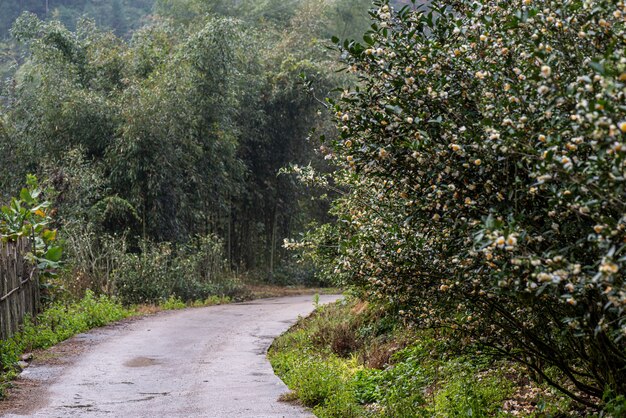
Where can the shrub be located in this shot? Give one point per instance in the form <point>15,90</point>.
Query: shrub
<point>315,381</point>
<point>483,156</point>
<point>339,336</point>
<point>418,382</point>
<point>93,259</point>
<point>291,273</point>
<point>189,273</point>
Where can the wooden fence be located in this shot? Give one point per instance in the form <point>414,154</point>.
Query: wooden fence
<point>19,286</point>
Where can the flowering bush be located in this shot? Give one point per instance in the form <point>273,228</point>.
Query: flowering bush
<point>484,153</point>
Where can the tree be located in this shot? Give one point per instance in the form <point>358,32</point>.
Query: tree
<point>482,158</point>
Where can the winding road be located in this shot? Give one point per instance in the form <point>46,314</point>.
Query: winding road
<point>201,362</point>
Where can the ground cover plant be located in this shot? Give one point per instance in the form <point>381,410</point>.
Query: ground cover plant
<point>482,161</point>
<point>354,359</point>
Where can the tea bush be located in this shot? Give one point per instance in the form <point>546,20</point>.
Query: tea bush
<point>483,158</point>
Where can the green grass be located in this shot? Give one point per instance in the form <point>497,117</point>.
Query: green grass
<point>332,363</point>
<point>57,323</point>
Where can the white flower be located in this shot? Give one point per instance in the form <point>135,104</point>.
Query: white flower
<point>544,277</point>
<point>608,267</point>
<point>546,71</point>
<point>511,240</point>
<point>481,74</point>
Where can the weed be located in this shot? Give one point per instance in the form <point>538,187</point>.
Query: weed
<point>616,407</point>
<point>172,303</point>
<point>217,300</point>
<point>341,404</point>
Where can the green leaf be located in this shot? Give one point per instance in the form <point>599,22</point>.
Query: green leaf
<point>598,66</point>
<point>49,234</point>
<point>54,254</point>
<point>25,196</point>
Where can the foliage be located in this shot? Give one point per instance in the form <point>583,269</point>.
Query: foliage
<point>160,272</point>
<point>481,156</point>
<point>616,407</point>
<point>118,15</point>
<point>29,217</point>
<point>92,260</point>
<point>462,396</point>
<point>296,274</point>
<point>177,132</point>
<point>418,381</point>
<point>173,303</point>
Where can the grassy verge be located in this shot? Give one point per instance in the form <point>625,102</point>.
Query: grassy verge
<point>57,323</point>
<point>350,359</point>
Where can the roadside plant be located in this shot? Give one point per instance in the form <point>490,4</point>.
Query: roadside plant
<point>27,216</point>
<point>162,271</point>
<point>484,154</point>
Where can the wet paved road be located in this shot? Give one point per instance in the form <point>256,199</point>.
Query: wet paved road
<point>204,362</point>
